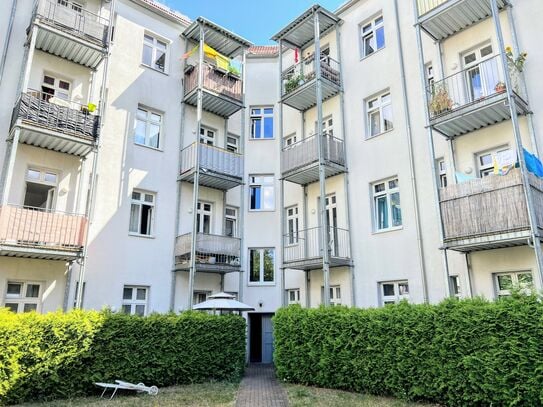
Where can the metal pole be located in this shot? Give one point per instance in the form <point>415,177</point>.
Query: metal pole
<point>66,300</point>
<point>7,38</point>
<point>469,278</point>
<point>82,166</point>
<point>11,164</point>
<point>282,215</point>
<point>241,228</point>
<point>511,100</point>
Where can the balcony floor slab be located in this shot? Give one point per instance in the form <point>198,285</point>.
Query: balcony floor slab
<point>305,96</point>
<point>315,263</point>
<point>37,136</point>
<point>213,102</point>
<point>310,173</point>
<point>212,180</point>
<point>31,252</point>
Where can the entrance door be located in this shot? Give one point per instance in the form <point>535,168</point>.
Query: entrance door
<point>267,339</point>
<point>260,338</point>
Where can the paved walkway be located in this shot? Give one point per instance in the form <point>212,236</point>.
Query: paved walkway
<point>260,388</point>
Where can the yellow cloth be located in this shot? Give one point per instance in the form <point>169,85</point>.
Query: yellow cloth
<point>222,62</point>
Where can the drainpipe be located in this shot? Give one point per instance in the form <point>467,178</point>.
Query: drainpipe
<point>409,139</point>
<point>7,39</point>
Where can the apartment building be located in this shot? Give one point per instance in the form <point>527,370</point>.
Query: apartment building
<point>369,157</point>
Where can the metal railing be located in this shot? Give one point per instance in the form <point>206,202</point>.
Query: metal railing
<point>66,117</point>
<point>71,17</point>
<point>304,71</point>
<point>215,80</point>
<point>306,152</point>
<point>210,249</point>
<point>424,6</point>
<point>470,86</point>
<point>215,159</point>
<point>307,244</point>
<point>38,228</point>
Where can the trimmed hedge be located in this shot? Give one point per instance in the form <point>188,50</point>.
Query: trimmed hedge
<point>61,355</point>
<point>457,353</point>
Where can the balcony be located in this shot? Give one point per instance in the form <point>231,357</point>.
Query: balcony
<point>300,86</point>
<point>55,124</point>
<point>473,98</point>
<point>35,233</point>
<point>443,18</point>
<point>303,250</point>
<point>69,31</point>
<point>489,213</point>
<point>222,91</point>
<point>214,253</point>
<point>219,168</point>
<point>300,161</point>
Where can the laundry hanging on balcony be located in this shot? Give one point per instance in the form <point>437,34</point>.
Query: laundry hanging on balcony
<point>223,62</point>
<point>533,164</point>
<point>504,161</point>
<point>461,177</point>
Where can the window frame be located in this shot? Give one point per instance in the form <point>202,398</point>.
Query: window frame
<point>488,169</point>
<point>148,123</point>
<point>55,87</point>
<point>156,39</point>
<point>380,107</point>
<point>206,137</point>
<point>233,147</point>
<point>454,282</point>
<point>140,202</point>
<point>335,295</point>
<point>262,116</point>
<point>442,172</point>
<point>253,184</point>
<point>234,218</point>
<point>297,296</point>
<point>397,296</point>
<point>387,192</point>
<point>294,218</point>
<point>41,180</point>
<point>21,300</point>
<point>371,33</point>
<point>290,140</point>
<point>134,302</point>
<point>196,293</point>
<point>261,280</point>
<point>201,212</point>
<point>498,292</point>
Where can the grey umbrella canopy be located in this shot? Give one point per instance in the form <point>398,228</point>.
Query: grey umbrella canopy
<point>222,302</point>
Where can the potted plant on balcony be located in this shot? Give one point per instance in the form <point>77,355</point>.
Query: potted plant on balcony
<point>440,101</point>
<point>293,82</point>
<point>500,87</point>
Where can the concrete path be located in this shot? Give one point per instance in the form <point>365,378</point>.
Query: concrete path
<point>260,388</point>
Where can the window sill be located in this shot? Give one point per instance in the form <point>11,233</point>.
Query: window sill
<point>393,229</point>
<point>372,54</point>
<point>261,138</point>
<point>262,210</point>
<point>380,134</point>
<point>255,284</point>
<point>140,235</point>
<point>149,147</point>
<point>154,69</point>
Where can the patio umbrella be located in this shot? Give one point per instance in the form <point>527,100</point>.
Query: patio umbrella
<point>222,302</point>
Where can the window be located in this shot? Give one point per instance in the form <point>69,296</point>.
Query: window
<point>154,53</point>
<point>327,126</point>
<point>135,300</point>
<point>335,295</point>
<point>200,296</point>
<point>261,192</point>
<point>203,217</point>
<point>262,266</point>
<point>231,221</point>
<point>292,225</point>
<point>74,6</point>
<point>454,285</point>
<point>40,192</point>
<point>386,204</point>
<point>505,282</point>
<point>82,294</point>
<point>392,292</point>
<point>232,143</point>
<point>372,36</point>
<point>290,140</point>
<point>481,72</point>
<point>142,213</point>
<point>207,136</point>
<point>442,173</point>
<point>262,122</point>
<point>430,79</point>
<point>56,87</point>
<point>485,161</point>
<point>22,296</point>
<point>379,115</point>
<point>293,296</point>
<point>148,128</point>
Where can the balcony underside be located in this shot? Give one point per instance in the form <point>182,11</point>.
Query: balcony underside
<point>67,46</point>
<point>455,15</point>
<point>315,263</point>
<point>489,242</point>
<point>213,102</point>
<point>39,137</point>
<point>310,173</point>
<point>212,180</point>
<point>305,97</point>
<point>209,268</point>
<point>477,115</point>
<point>32,252</point>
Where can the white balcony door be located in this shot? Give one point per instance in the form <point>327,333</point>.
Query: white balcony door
<point>40,191</point>
<point>231,222</point>
<point>331,225</point>
<point>207,136</point>
<point>481,73</point>
<point>203,217</point>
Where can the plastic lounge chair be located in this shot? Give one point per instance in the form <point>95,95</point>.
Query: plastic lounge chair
<point>119,384</point>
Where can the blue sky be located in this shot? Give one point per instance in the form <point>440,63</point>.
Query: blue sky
<point>256,21</point>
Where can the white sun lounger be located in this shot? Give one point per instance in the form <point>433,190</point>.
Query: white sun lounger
<point>119,384</point>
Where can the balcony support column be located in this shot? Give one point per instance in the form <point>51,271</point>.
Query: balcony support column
<point>282,183</point>
<point>82,162</point>
<point>67,287</point>
<point>325,237</point>
<point>520,150</point>
<point>469,276</point>
<point>283,288</point>
<point>241,227</point>
<point>307,289</point>
<point>29,58</point>
<point>8,175</point>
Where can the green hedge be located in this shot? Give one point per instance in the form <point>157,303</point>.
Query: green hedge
<point>458,353</point>
<point>61,355</point>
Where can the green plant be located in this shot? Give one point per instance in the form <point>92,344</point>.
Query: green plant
<point>517,62</point>
<point>440,101</point>
<point>293,82</point>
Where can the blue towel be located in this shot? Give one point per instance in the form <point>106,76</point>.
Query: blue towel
<point>533,164</point>
<point>461,177</point>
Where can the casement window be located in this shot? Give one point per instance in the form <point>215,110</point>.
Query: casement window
<point>454,285</point>
<point>200,296</point>
<point>135,300</point>
<point>482,73</point>
<point>386,204</point>
<point>379,115</point>
<point>207,136</point>
<point>203,217</point>
<point>442,173</point>
<point>82,294</point>
<point>232,143</point>
<point>506,282</point>
<point>23,296</point>
<point>142,213</point>
<point>335,295</point>
<point>262,122</point>
<point>328,126</point>
<point>148,128</point>
<point>392,292</point>
<point>485,161</point>
<point>261,192</point>
<point>231,221</point>
<point>154,52</point>
<point>40,191</point>
<point>262,266</point>
<point>430,79</point>
<point>56,87</point>
<point>293,296</point>
<point>290,140</point>
<point>292,225</point>
<point>71,4</point>
<point>372,36</point>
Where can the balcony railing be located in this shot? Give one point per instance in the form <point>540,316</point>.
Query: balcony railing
<point>54,114</point>
<point>304,71</point>
<point>36,228</point>
<point>215,80</point>
<point>213,159</point>
<point>488,206</point>
<point>470,86</point>
<point>211,250</point>
<point>307,244</point>
<point>424,6</point>
<point>306,152</point>
<point>72,18</point>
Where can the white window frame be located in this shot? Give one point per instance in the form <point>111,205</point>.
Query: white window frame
<point>58,91</point>
<point>42,180</point>
<point>201,212</point>
<point>430,76</point>
<point>335,295</point>
<point>293,293</point>
<point>153,43</point>
<point>387,192</point>
<point>499,292</point>
<point>261,280</point>
<point>146,116</point>
<point>292,219</point>
<point>197,293</point>
<point>207,136</point>
<point>454,282</point>
<point>442,172</point>
<point>232,217</point>
<point>484,170</point>
<point>290,140</point>
<point>398,295</point>
<point>140,202</point>
<point>375,24</point>
<point>134,302</point>
<point>78,7</point>
<point>261,115</point>
<point>233,143</point>
<point>21,299</point>
<point>380,104</point>
<point>264,182</point>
